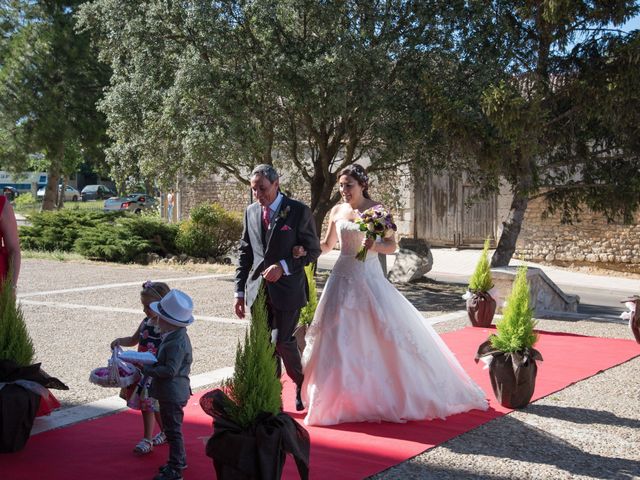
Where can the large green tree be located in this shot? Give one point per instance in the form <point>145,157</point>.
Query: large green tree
<point>50,82</point>
<point>554,112</point>
<point>310,86</point>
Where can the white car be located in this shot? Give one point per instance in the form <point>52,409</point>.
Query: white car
<point>70,194</point>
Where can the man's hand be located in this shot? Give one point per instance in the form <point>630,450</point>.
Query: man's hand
<point>239,307</point>
<point>298,251</point>
<point>273,273</point>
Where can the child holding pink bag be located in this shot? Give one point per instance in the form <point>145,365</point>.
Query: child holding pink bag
<point>147,338</point>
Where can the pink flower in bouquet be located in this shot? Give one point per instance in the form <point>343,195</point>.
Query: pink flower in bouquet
<point>375,222</point>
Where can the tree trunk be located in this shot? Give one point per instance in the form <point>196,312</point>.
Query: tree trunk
<point>51,192</point>
<point>511,229</point>
<point>61,190</point>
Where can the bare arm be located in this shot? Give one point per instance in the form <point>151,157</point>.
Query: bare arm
<point>9,229</point>
<point>331,237</point>
<point>131,341</point>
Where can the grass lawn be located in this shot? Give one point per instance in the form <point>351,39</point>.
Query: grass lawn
<point>27,208</point>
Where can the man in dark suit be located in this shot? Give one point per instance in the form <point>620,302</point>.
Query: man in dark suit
<point>273,225</point>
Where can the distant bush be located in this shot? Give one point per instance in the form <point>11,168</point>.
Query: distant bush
<point>24,200</point>
<point>126,239</point>
<point>210,232</point>
<point>110,236</point>
<point>58,230</point>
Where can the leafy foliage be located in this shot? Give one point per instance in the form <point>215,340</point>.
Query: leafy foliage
<point>50,82</point>
<point>254,387</point>
<point>542,96</point>
<point>515,330</point>
<point>309,86</point>
<point>481,280</point>
<point>15,342</point>
<point>308,311</point>
<point>210,232</point>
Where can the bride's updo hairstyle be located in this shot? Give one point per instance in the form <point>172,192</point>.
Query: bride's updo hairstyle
<point>359,174</point>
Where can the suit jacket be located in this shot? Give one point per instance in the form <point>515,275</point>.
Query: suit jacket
<point>291,225</point>
<point>171,372</point>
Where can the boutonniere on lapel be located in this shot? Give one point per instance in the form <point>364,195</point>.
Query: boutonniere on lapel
<point>283,214</point>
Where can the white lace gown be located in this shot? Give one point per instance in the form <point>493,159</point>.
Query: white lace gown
<point>371,356</point>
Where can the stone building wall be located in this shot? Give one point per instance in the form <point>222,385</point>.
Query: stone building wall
<point>592,240</point>
<point>393,190</point>
<point>228,192</point>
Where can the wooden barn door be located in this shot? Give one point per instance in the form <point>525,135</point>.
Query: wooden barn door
<point>443,219</point>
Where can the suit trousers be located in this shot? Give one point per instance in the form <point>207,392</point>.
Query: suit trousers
<point>285,322</point>
<point>172,414</point>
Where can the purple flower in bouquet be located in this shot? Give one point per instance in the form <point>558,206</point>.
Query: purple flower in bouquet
<point>375,222</point>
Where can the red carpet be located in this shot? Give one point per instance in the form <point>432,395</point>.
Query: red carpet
<point>101,449</point>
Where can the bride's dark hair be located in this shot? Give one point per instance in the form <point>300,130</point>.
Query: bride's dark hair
<point>359,174</point>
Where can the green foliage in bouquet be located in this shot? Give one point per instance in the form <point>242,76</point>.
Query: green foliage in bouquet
<point>15,342</point>
<point>481,280</point>
<point>308,311</point>
<point>515,330</point>
<point>211,231</point>
<point>254,387</point>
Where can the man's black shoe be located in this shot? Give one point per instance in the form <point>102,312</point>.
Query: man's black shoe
<point>299,404</point>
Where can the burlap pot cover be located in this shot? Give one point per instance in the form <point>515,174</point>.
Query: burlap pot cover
<point>481,308</point>
<point>513,375</point>
<point>18,408</point>
<point>257,452</point>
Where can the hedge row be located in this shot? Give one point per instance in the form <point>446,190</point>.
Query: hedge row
<point>124,237</point>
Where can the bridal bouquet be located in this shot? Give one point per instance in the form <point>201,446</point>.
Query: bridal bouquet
<point>375,222</point>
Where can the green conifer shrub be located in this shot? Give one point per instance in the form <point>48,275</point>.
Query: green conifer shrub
<point>308,311</point>
<point>254,387</point>
<point>515,330</point>
<point>481,280</point>
<point>15,342</point>
<point>52,231</point>
<point>211,231</point>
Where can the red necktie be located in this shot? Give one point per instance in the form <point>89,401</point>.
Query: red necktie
<point>266,217</point>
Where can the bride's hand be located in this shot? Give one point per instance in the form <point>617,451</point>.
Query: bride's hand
<point>298,251</point>
<point>368,243</point>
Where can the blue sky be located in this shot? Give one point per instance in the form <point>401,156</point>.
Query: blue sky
<point>633,24</point>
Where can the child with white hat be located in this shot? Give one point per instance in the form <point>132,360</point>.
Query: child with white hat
<point>170,374</point>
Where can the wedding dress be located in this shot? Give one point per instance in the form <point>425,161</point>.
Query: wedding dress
<point>371,356</point>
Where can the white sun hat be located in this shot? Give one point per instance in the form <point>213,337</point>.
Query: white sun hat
<point>176,308</point>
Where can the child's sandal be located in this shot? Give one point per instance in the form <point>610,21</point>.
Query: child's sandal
<point>143,447</point>
<point>159,439</point>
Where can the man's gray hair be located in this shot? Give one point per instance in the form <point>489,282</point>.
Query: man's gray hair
<point>266,171</point>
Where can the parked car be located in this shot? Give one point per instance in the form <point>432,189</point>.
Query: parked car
<point>10,192</point>
<point>136,203</point>
<point>70,193</point>
<point>96,192</point>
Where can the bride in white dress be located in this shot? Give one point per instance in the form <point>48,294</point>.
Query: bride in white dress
<point>370,355</point>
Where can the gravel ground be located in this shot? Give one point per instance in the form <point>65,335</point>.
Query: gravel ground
<point>588,430</point>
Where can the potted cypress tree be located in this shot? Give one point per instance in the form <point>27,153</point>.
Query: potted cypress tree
<point>481,306</point>
<point>510,353</point>
<point>23,386</point>
<point>251,434</point>
<point>309,310</point>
